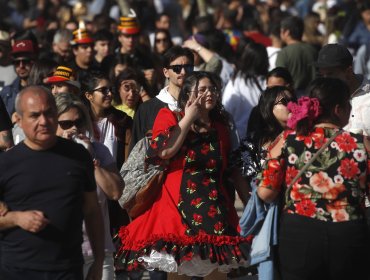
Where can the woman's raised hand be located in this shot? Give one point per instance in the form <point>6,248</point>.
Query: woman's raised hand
<point>193,107</point>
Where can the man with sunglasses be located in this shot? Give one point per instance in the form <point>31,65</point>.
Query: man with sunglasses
<point>178,62</point>
<point>23,54</point>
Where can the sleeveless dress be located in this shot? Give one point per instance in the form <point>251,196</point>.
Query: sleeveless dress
<point>191,227</point>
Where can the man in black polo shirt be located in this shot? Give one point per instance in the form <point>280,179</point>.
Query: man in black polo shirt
<point>48,185</point>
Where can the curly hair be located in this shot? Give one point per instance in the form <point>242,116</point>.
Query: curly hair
<point>192,80</point>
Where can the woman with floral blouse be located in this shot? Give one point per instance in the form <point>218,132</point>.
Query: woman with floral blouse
<point>323,233</point>
<point>191,228</point>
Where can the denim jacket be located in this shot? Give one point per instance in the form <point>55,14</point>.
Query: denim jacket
<point>9,93</point>
<point>261,220</point>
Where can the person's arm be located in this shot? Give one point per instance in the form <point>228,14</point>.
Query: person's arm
<point>6,136</point>
<point>179,133</point>
<point>241,185</point>
<point>93,222</point>
<point>6,140</point>
<point>203,52</point>
<point>32,220</point>
<point>106,172</point>
<point>273,169</point>
<point>109,180</point>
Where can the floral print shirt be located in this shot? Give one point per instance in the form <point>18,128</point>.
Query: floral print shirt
<point>333,187</point>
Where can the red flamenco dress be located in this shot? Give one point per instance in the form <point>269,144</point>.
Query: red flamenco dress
<point>192,226</point>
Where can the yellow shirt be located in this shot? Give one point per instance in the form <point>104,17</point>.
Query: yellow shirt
<point>124,108</point>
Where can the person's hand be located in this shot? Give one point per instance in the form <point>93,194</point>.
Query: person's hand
<point>67,134</point>
<point>33,220</point>
<point>3,209</point>
<point>193,107</point>
<point>95,271</point>
<point>192,44</point>
<point>86,143</point>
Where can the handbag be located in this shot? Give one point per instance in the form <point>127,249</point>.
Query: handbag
<point>143,182</point>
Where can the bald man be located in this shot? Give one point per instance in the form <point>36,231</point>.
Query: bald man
<point>48,185</point>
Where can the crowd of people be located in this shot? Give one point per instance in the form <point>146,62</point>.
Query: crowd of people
<point>255,98</point>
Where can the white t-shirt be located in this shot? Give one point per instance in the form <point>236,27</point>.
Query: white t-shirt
<point>107,135</point>
<point>239,98</point>
<point>272,53</point>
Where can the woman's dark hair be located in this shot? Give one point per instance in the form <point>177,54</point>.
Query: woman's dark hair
<point>192,81</point>
<point>103,35</point>
<point>128,74</point>
<point>253,61</point>
<point>281,72</point>
<point>88,84</point>
<point>217,42</point>
<point>330,92</point>
<point>168,38</point>
<point>263,127</point>
<point>111,61</point>
<point>91,81</point>
<point>41,69</point>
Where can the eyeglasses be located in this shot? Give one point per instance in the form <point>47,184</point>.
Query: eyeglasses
<point>130,87</point>
<point>104,90</point>
<point>67,124</point>
<point>213,90</point>
<point>24,61</point>
<point>284,101</point>
<point>161,40</point>
<point>178,67</point>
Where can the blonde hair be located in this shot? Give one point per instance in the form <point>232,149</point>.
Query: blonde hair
<point>67,101</point>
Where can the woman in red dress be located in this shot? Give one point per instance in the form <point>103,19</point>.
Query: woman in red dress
<point>192,226</point>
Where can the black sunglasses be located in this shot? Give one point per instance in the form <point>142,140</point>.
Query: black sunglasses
<point>178,67</point>
<point>159,40</point>
<point>104,90</point>
<point>79,123</point>
<point>24,61</point>
<point>284,101</point>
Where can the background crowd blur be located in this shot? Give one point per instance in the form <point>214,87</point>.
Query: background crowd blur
<point>111,55</point>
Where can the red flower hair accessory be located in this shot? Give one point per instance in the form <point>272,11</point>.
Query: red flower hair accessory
<point>306,107</point>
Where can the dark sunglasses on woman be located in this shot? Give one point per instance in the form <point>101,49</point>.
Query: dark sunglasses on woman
<point>67,124</point>
<point>285,100</point>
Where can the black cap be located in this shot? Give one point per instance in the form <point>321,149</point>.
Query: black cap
<point>334,55</point>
